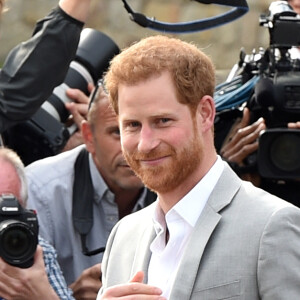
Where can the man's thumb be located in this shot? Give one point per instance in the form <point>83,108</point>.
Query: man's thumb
<point>138,277</point>
<point>38,256</point>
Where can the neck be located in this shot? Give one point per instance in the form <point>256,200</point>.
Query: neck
<point>126,200</point>
<point>169,199</point>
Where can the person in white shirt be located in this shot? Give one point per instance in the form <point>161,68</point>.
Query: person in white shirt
<point>209,235</point>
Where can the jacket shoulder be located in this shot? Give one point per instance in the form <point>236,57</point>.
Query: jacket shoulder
<point>58,167</point>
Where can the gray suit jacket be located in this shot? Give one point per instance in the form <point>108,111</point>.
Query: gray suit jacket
<point>246,245</point>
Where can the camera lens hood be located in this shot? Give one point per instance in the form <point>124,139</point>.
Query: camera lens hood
<point>95,50</point>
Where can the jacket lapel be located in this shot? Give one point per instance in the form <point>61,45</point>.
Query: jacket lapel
<point>143,253</point>
<point>222,195</point>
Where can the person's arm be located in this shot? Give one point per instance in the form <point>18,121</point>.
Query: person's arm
<point>78,9</point>
<point>240,143</point>
<point>26,284</point>
<point>279,257</point>
<point>35,67</point>
<point>54,272</point>
<point>243,139</point>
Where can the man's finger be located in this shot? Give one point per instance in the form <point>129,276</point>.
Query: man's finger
<point>138,277</point>
<point>38,258</point>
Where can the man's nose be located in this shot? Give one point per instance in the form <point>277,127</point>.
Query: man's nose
<point>148,139</point>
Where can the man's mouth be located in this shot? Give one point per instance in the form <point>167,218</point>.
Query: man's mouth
<point>153,161</point>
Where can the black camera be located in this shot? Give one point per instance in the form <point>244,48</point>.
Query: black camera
<point>18,232</point>
<point>283,24</point>
<point>278,153</point>
<point>277,94</point>
<point>46,133</point>
<point>274,94</point>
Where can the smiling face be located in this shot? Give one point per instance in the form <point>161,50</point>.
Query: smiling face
<point>160,138</point>
<point>103,142</point>
<point>162,88</point>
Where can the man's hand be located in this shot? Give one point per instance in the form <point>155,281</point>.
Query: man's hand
<point>243,139</point>
<point>22,284</point>
<point>78,9</point>
<point>87,286</point>
<point>241,142</point>
<point>78,112</point>
<point>295,125</point>
<point>135,289</point>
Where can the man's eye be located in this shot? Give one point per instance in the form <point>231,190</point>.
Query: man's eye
<point>116,132</point>
<point>131,125</point>
<point>165,120</point>
<point>134,124</point>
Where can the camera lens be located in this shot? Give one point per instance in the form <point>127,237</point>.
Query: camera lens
<point>18,243</point>
<point>95,50</point>
<point>284,152</point>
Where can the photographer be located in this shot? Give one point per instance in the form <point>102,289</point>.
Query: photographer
<point>271,111</point>
<point>33,68</point>
<point>44,279</point>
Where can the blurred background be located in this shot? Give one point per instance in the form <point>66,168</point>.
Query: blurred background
<point>223,43</point>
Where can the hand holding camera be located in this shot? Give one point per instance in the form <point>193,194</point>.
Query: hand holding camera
<point>18,232</point>
<point>78,110</point>
<point>242,139</point>
<point>20,283</point>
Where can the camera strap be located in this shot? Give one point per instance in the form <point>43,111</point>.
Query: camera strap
<point>240,7</point>
<point>83,197</point>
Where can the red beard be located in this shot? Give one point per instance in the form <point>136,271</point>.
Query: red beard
<point>172,172</point>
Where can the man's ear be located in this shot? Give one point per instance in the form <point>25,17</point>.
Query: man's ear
<point>87,136</point>
<point>206,111</point>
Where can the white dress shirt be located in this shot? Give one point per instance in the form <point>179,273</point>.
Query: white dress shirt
<point>180,221</point>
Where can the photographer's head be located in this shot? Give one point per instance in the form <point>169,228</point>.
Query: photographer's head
<point>191,70</point>
<point>102,138</point>
<point>12,175</point>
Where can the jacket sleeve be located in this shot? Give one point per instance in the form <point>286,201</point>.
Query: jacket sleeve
<point>35,67</point>
<point>54,272</point>
<point>279,256</point>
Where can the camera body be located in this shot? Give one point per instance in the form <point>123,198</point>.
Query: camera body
<point>18,232</point>
<point>275,96</point>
